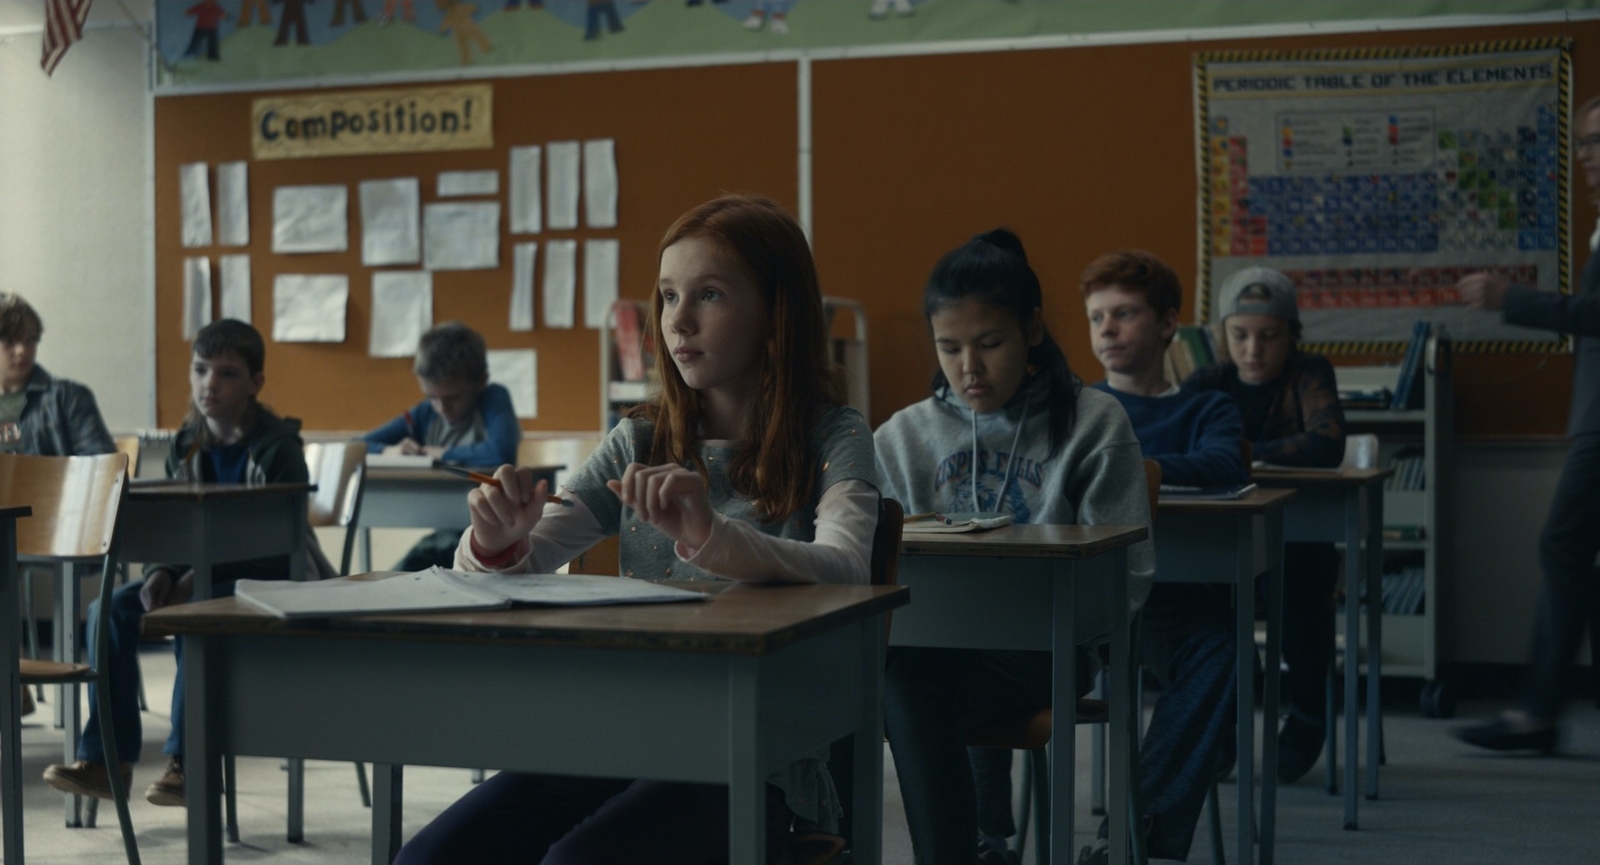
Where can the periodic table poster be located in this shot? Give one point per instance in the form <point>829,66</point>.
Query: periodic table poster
<point>1377,179</point>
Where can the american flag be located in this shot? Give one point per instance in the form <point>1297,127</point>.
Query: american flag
<point>63,25</point>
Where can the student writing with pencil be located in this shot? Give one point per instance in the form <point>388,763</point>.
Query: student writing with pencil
<point>462,419</point>
<point>746,467</point>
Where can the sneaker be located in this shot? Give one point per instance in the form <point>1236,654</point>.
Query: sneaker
<point>1299,747</point>
<point>169,789</point>
<point>779,26</point>
<point>1497,734</point>
<point>755,21</point>
<point>1098,853</point>
<point>85,778</point>
<point>995,851</point>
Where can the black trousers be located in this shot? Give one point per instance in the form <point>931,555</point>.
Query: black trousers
<point>1310,571</point>
<point>1567,549</point>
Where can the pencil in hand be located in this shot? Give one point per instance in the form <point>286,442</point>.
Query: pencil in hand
<point>480,477</point>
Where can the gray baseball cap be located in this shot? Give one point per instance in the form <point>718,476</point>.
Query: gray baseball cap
<point>1258,291</point>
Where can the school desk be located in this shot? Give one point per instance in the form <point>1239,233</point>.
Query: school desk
<point>1346,506</point>
<point>1041,588</point>
<point>1235,543</point>
<point>203,525</point>
<point>721,691</point>
<point>420,499</point>
<point>11,700</point>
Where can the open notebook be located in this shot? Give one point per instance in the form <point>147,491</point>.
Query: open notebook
<point>441,590</point>
<point>1225,492</point>
<point>400,461</point>
<point>946,524</point>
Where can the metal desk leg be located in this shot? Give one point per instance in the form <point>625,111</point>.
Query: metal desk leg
<point>297,800</point>
<point>1373,493</point>
<point>1064,699</point>
<point>747,783</point>
<point>867,777</point>
<point>11,700</point>
<point>70,596</point>
<point>1352,650</point>
<point>388,782</point>
<point>1245,656</point>
<point>202,759</point>
<point>1273,532</point>
<point>366,548</point>
<point>1124,725</point>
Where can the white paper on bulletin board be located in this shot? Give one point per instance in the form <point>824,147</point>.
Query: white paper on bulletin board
<point>523,258</point>
<point>310,219</point>
<point>402,309</point>
<point>235,287</point>
<point>1375,182</point>
<point>309,307</point>
<point>461,236</point>
<point>600,182</point>
<point>563,159</point>
<point>468,183</point>
<point>560,282</point>
<point>194,195</point>
<point>196,295</point>
<point>599,280</point>
<point>233,204</point>
<point>518,371</point>
<point>527,215</point>
<point>391,221</point>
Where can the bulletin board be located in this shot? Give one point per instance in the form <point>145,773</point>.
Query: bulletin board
<point>670,155</point>
<point>1081,151</point>
<point>1378,178</point>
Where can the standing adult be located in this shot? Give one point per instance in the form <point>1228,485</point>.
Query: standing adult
<point>1571,536</point>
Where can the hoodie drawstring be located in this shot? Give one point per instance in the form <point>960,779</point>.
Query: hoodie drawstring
<point>1000,498</point>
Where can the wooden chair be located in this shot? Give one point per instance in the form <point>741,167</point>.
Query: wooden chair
<point>1031,733</point>
<point>125,444</point>
<point>75,502</point>
<point>883,570</point>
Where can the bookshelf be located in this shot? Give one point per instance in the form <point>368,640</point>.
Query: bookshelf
<point>624,383</point>
<point>1416,514</point>
<point>627,366</point>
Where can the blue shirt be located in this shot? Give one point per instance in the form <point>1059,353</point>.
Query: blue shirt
<point>502,431</point>
<point>228,462</point>
<point>1193,435</point>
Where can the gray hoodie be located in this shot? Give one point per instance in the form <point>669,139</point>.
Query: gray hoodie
<point>926,452</point>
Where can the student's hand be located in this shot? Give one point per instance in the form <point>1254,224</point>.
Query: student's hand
<point>671,498</point>
<point>1483,291</point>
<point>409,447</point>
<point>162,590</point>
<point>504,515</point>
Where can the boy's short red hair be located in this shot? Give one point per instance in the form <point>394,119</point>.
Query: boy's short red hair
<point>1138,271</point>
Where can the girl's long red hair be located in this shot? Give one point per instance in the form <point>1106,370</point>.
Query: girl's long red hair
<point>776,467</point>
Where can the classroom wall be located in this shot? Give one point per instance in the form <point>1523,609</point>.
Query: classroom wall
<point>676,146</point>
<point>1081,151</point>
<point>73,214</point>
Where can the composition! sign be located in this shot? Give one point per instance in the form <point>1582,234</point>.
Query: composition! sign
<point>373,121</point>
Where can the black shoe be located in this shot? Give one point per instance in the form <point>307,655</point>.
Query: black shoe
<point>1497,735</point>
<point>988,854</point>
<point>1299,746</point>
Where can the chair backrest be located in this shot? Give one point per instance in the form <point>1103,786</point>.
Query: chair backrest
<point>885,565</point>
<point>339,469</point>
<point>129,444</point>
<point>74,500</point>
<point>1152,484</point>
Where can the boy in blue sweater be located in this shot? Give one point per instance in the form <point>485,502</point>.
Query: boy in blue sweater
<point>1132,300</point>
<point>462,419</point>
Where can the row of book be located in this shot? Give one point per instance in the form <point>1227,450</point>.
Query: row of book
<point>1403,591</point>
<point>1192,348</point>
<point>1409,473</point>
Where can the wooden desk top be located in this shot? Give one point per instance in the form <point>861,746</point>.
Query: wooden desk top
<point>380,473</point>
<point>1343,477</point>
<point>1026,542</point>
<point>739,619</point>
<point>1257,501</point>
<point>156,489</point>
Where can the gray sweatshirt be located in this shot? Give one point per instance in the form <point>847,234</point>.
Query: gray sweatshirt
<point>926,452</point>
